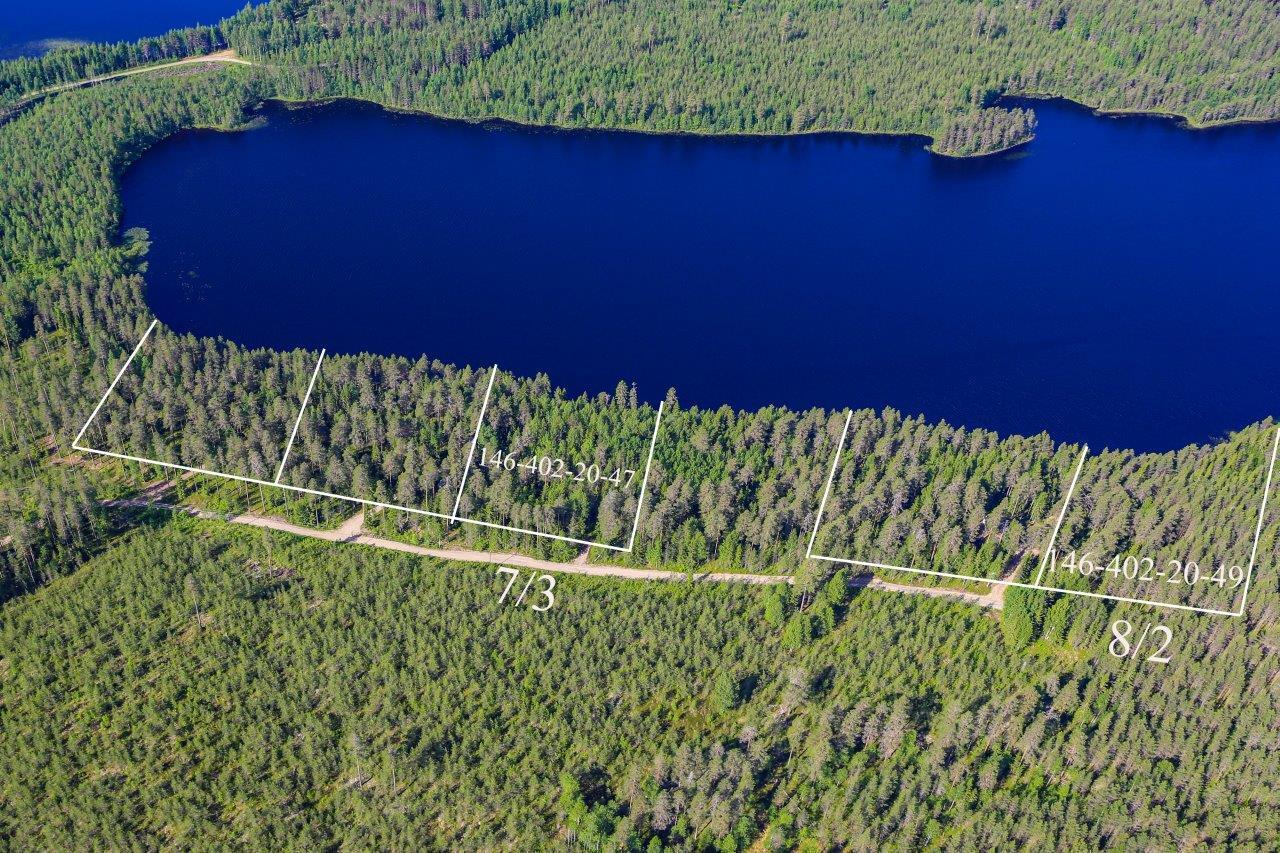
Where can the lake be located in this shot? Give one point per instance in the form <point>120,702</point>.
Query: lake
<point>1113,282</point>
<point>24,24</point>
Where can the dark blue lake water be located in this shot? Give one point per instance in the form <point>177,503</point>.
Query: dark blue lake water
<point>1115,282</point>
<point>24,23</point>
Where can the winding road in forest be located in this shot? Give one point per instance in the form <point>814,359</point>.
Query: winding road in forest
<point>225,56</point>
<point>352,531</point>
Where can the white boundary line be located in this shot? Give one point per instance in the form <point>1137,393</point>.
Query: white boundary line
<point>1257,533</point>
<point>255,481</point>
<point>306,399</point>
<point>128,361</point>
<point>1061,515</point>
<point>453,518</point>
<point>644,484</point>
<point>484,406</point>
<point>1066,502</point>
<point>76,445</point>
<point>635,522</point>
<point>1002,582</point>
<point>463,519</point>
<point>835,463</point>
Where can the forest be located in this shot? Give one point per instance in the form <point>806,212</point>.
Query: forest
<point>932,68</point>
<point>181,682</point>
<point>197,686</point>
<point>25,75</point>
<point>929,67</point>
<point>731,490</point>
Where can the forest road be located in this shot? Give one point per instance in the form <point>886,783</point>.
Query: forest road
<point>352,531</point>
<point>993,600</point>
<point>227,56</point>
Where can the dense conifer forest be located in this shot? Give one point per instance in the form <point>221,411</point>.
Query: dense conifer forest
<point>181,690</point>
<point>930,67</point>
<point>189,684</point>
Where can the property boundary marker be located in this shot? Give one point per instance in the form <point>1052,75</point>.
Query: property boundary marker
<point>484,407</point>
<point>284,460</point>
<point>1066,502</point>
<point>1257,533</point>
<point>128,361</point>
<point>644,484</point>
<point>809,554</point>
<point>826,492</point>
<point>635,522</point>
<point>452,518</point>
<point>835,464</point>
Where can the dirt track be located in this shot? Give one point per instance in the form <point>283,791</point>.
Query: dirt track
<point>227,56</point>
<point>352,531</point>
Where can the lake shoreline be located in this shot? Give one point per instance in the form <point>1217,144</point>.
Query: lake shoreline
<point>629,184</point>
<point>1178,119</point>
<point>926,142</point>
<point>515,124</point>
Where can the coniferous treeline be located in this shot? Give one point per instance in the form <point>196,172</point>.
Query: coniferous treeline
<point>728,490</point>
<point>25,75</point>
<point>982,131</point>
<point>929,67</point>
<point>55,520</point>
<point>232,411</point>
